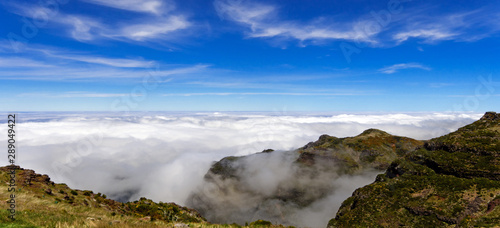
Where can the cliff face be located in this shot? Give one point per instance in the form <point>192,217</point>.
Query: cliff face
<point>278,186</point>
<point>452,180</point>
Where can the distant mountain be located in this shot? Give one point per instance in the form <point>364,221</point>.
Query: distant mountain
<point>453,180</point>
<point>278,186</point>
<point>371,149</point>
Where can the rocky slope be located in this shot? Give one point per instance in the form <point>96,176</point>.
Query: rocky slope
<point>453,180</point>
<point>283,186</point>
<point>371,149</point>
<point>42,203</point>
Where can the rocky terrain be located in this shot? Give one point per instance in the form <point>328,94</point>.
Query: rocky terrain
<point>373,148</point>
<point>451,181</point>
<point>285,186</point>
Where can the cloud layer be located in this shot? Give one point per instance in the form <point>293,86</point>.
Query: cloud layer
<point>164,156</point>
<point>273,187</point>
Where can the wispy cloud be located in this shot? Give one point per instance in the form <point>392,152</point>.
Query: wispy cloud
<point>76,95</point>
<point>396,67</point>
<point>493,95</point>
<point>261,93</point>
<point>84,28</point>
<point>36,64</point>
<point>428,35</point>
<point>114,62</point>
<point>81,28</point>
<point>440,84</point>
<point>21,62</point>
<point>43,52</point>
<point>145,6</point>
<point>65,73</point>
<point>263,23</point>
<point>152,30</point>
<point>462,26</point>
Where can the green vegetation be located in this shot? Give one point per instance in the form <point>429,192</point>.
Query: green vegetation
<point>43,203</point>
<point>452,180</point>
<point>261,223</point>
<point>371,149</point>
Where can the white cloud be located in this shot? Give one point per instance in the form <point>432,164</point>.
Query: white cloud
<point>152,30</point>
<point>187,143</point>
<point>396,67</point>
<point>154,27</point>
<point>460,26</point>
<point>263,23</point>
<point>83,28</point>
<point>114,62</point>
<point>429,35</point>
<point>86,29</point>
<point>146,6</point>
<point>21,62</point>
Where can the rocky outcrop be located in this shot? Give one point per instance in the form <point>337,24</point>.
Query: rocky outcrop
<point>228,194</point>
<point>372,149</point>
<point>453,180</point>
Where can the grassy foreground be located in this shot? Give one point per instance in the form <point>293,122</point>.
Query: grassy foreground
<point>42,203</point>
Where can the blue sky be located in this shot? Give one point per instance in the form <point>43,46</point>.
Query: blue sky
<point>238,55</point>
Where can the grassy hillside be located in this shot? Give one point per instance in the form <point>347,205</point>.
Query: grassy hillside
<point>453,180</point>
<point>43,203</point>
<point>371,149</point>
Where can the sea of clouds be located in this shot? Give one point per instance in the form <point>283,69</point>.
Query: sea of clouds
<point>164,155</point>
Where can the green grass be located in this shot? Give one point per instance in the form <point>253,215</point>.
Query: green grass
<point>66,207</point>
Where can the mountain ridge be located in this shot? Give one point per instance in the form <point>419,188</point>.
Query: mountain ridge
<point>305,176</point>
<point>453,180</point>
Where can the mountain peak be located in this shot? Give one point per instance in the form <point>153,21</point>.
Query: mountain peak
<point>491,116</point>
<point>373,131</point>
